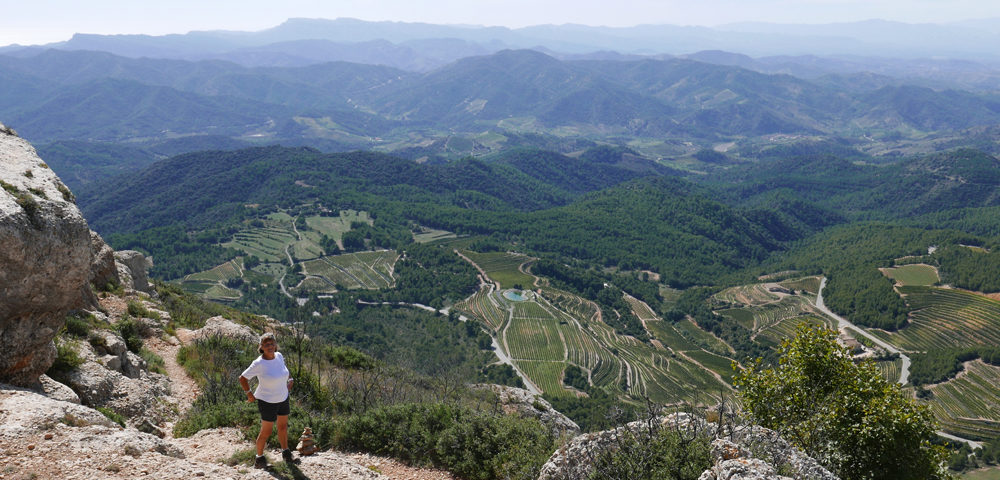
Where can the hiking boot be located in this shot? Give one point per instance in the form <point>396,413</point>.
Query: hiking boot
<point>286,455</point>
<point>260,462</point>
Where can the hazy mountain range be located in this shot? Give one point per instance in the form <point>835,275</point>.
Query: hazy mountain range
<point>423,47</point>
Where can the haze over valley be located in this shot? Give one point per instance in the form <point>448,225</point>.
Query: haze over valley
<point>603,216</point>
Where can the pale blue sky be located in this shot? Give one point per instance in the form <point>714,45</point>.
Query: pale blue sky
<point>42,21</point>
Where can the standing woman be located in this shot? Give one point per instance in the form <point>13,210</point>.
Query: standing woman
<point>273,384</point>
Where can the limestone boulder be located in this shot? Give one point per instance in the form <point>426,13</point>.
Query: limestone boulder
<point>132,269</point>
<point>221,326</point>
<point>526,404</point>
<point>45,261</point>
<point>103,271</point>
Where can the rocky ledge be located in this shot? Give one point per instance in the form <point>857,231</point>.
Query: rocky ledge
<point>45,262</point>
<point>739,452</point>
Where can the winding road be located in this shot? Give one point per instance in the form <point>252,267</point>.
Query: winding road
<point>843,324</point>
<point>904,373</point>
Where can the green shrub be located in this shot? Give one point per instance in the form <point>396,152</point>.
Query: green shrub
<point>245,456</point>
<point>112,415</point>
<point>153,361</point>
<point>204,415</point>
<point>474,445</point>
<point>655,453</point>
<point>139,310</point>
<point>78,326</point>
<point>841,413</point>
<point>66,359</point>
<point>484,447</point>
<point>128,328</point>
<point>347,357</point>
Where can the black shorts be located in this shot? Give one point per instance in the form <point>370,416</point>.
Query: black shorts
<point>269,411</point>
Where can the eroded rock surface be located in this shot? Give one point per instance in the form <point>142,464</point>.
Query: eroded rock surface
<point>44,262</point>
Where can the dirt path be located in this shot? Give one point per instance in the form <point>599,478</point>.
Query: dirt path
<point>183,389</point>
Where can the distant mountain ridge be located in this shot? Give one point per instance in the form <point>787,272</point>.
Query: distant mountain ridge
<point>56,95</point>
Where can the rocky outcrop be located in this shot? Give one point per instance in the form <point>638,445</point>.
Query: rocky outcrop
<point>103,271</point>
<point>526,404</point>
<point>132,268</point>
<point>738,452</point>
<point>220,326</point>
<point>44,262</point>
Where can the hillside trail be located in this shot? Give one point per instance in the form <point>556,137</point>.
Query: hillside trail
<point>218,444</point>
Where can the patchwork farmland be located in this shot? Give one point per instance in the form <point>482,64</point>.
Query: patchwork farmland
<point>551,329</point>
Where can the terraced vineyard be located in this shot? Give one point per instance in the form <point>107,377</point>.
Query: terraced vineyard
<point>427,235</point>
<point>211,283</point>
<point>944,318</point>
<point>554,328</point>
<point>267,243</point>
<point>890,369</point>
<point>969,405</point>
<point>503,267</point>
<point>807,284</point>
<point>776,320</point>
<point>370,270</point>
<point>755,294</point>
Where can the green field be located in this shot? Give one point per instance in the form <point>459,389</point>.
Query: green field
<point>333,227</point>
<point>982,474</point>
<point>913,275</point>
<point>769,321</point>
<point>266,243</point>
<point>890,369</point>
<point>969,405</point>
<point>808,284</point>
<point>944,318</point>
<point>503,267</point>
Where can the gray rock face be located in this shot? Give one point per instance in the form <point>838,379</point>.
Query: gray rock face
<point>527,404</point>
<point>44,262</point>
<point>738,453</point>
<point>103,270</point>
<point>132,267</point>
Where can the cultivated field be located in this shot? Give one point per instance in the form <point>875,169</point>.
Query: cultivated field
<point>771,317</point>
<point>427,235</point>
<point>554,328</point>
<point>368,270</point>
<point>503,267</point>
<point>211,283</point>
<point>913,275</point>
<point>944,318</point>
<point>969,405</point>
<point>333,227</point>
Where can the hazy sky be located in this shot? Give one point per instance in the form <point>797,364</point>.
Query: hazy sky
<point>42,21</point>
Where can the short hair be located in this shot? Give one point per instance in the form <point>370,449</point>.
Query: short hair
<point>263,338</point>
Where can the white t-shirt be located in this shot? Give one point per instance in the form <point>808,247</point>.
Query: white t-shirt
<point>272,378</point>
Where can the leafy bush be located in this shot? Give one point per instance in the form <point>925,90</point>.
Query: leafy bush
<point>655,453</point>
<point>66,359</point>
<point>841,413</point>
<point>139,310</point>
<point>153,361</point>
<point>474,445</point>
<point>112,415</point>
<point>78,326</point>
<point>129,329</point>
